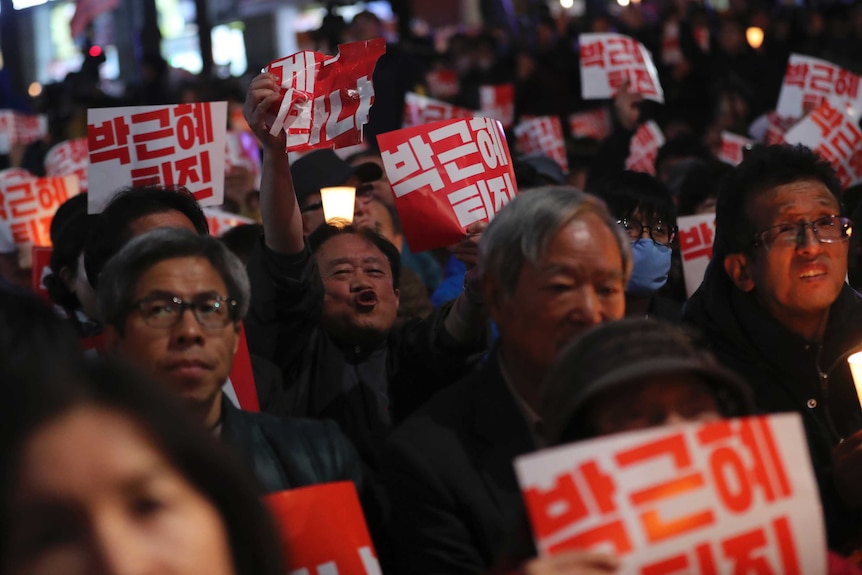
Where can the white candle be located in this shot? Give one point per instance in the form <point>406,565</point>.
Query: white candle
<point>855,362</point>
<point>338,204</point>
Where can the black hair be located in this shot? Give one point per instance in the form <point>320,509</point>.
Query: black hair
<point>242,239</point>
<point>763,168</point>
<point>70,228</point>
<point>682,146</point>
<point>695,183</point>
<point>326,232</point>
<point>211,469</point>
<point>628,192</point>
<point>112,228</point>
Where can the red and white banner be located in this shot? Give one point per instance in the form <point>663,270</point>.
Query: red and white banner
<point>776,127</point>
<point>18,128</point>
<point>696,236</point>
<point>29,206</point>
<point>835,135</point>
<point>442,83</point>
<point>419,110</point>
<point>220,221</point>
<point>644,147</point>
<point>594,123</point>
<point>86,11</point>
<point>543,135</point>
<point>809,81</point>
<point>176,145</point>
<point>733,496</point>
<point>323,530</point>
<point>325,99</point>
<point>40,268</point>
<point>732,147</point>
<point>67,158</point>
<point>498,103</point>
<point>609,60</point>
<point>446,176</point>
<point>240,387</point>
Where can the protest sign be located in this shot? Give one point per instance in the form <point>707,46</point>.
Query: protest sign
<point>732,496</point>
<point>732,147</point>
<point>29,204</point>
<point>69,157</point>
<point>809,81</point>
<point>446,176</point>
<point>644,147</point>
<point>40,267</point>
<point>594,123</point>
<point>419,110</point>
<point>442,83</point>
<point>835,135</point>
<point>498,103</point>
<point>177,145</point>
<point>696,235</point>
<point>610,60</point>
<point>18,128</point>
<point>220,221</point>
<point>543,135</point>
<point>325,100</point>
<point>323,531</point>
<point>240,387</point>
<point>776,127</point>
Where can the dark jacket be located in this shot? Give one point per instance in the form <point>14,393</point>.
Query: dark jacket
<point>285,453</point>
<point>449,475</point>
<point>364,389</point>
<point>788,373</point>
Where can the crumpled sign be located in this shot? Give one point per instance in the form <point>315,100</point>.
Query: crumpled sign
<point>325,99</point>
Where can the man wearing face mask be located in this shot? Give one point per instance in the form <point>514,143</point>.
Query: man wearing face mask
<point>644,209</point>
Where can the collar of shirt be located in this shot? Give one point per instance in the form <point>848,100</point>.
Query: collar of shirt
<point>534,421</point>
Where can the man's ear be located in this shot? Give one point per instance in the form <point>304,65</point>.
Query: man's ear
<point>738,268</point>
<point>111,337</point>
<point>236,329</point>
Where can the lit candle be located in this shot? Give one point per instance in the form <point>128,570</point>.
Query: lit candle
<point>754,35</point>
<point>855,362</point>
<point>338,204</point>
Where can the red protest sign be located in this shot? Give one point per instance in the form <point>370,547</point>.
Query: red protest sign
<point>810,81</point>
<point>419,110</point>
<point>733,496</point>
<point>543,135</point>
<point>40,266</point>
<point>29,206</point>
<point>498,102</point>
<point>241,379</point>
<point>67,158</point>
<point>442,83</point>
<point>446,176</point>
<point>325,100</point>
<point>644,147</point>
<point>835,135</point>
<point>733,147</point>
<point>609,60</point>
<point>177,145</point>
<point>696,235</point>
<point>591,124</point>
<point>323,530</point>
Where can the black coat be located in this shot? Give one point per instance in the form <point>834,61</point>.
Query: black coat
<point>788,373</point>
<point>450,479</point>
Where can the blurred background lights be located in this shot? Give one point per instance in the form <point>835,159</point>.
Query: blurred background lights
<point>754,35</point>
<point>35,89</point>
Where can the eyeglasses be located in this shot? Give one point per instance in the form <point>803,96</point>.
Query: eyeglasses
<point>211,311</point>
<point>659,232</point>
<point>827,230</point>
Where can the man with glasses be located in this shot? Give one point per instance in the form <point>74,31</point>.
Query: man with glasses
<point>172,302</point>
<point>775,308</point>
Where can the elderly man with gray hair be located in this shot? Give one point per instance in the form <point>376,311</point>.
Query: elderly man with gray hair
<point>553,263</point>
<point>172,302</point>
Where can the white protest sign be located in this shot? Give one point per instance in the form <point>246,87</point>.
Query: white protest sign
<point>176,145</point>
<point>733,147</point>
<point>733,496</point>
<point>809,81</point>
<point>644,147</point>
<point>419,110</point>
<point>609,60</point>
<point>220,221</point>
<point>69,157</point>
<point>543,135</point>
<point>696,235</point>
<point>29,204</point>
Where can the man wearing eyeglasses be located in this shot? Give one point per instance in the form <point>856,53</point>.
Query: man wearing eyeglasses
<point>775,308</point>
<point>172,301</point>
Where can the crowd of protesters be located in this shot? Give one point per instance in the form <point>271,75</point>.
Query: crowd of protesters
<point>420,377</point>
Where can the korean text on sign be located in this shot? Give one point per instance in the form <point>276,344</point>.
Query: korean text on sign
<point>179,145</point>
<point>325,99</point>
<point>498,102</point>
<point>696,236</point>
<point>543,135</point>
<point>610,60</point>
<point>810,81</point>
<point>591,124</point>
<point>419,110</point>
<point>733,496</point>
<point>29,205</point>
<point>69,157</point>
<point>18,128</point>
<point>446,176</point>
<point>733,147</point>
<point>643,148</point>
<point>835,135</point>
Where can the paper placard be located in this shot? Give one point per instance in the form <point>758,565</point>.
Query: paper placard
<point>543,135</point>
<point>220,221</point>
<point>594,123</point>
<point>644,147</point>
<point>69,157</point>
<point>498,103</point>
<point>696,236</point>
<point>446,176</point>
<point>18,128</point>
<point>734,496</point>
<point>29,204</point>
<point>609,60</point>
<point>809,81</point>
<point>176,145</point>
<point>419,110</point>
<point>325,100</point>
<point>733,147</point>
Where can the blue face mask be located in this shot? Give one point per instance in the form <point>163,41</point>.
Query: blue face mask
<point>651,266</point>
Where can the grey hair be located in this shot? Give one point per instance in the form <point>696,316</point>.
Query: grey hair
<point>123,271</point>
<point>523,229</point>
